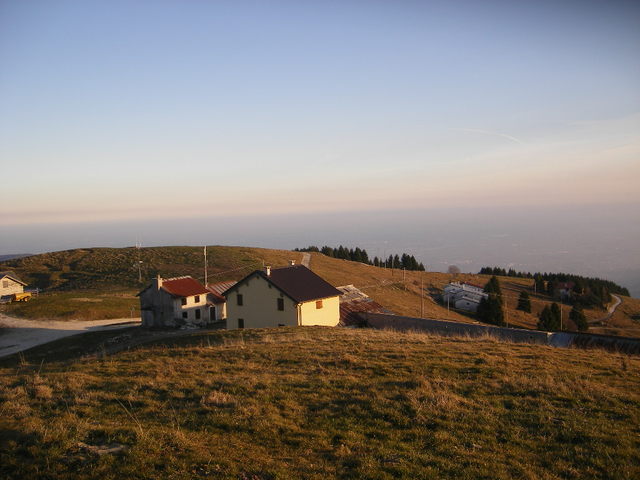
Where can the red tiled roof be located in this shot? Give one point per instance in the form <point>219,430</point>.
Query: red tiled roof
<point>184,287</point>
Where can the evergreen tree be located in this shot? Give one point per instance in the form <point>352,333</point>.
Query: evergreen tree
<point>557,315</point>
<point>578,318</point>
<point>524,303</point>
<point>376,262</point>
<point>490,311</point>
<point>493,288</point>
<point>549,318</point>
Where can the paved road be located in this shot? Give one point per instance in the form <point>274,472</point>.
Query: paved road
<point>610,311</point>
<point>17,334</point>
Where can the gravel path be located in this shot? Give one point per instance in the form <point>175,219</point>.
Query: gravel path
<point>17,334</point>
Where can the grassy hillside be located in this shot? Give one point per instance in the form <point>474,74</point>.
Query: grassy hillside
<point>320,403</point>
<point>107,278</point>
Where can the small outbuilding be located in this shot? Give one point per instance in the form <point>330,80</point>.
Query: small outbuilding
<point>288,296</point>
<point>10,284</point>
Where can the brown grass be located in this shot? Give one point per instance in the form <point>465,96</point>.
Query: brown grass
<point>323,403</point>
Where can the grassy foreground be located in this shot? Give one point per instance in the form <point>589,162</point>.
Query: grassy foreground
<point>320,403</point>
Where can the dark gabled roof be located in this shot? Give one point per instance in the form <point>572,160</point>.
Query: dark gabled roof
<point>297,282</point>
<point>12,276</point>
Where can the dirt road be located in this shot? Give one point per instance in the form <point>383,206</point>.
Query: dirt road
<point>17,334</point>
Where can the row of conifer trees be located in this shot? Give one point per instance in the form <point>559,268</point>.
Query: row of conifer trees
<point>404,261</point>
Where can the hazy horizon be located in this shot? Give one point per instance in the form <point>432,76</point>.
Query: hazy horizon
<point>592,241</point>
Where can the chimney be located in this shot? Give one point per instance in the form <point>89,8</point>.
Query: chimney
<point>158,282</point>
<point>292,263</point>
<point>267,269</point>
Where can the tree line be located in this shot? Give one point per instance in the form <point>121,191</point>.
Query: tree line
<point>586,291</point>
<point>490,310</point>
<point>405,261</point>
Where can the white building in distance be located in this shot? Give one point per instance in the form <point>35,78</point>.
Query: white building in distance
<point>463,296</point>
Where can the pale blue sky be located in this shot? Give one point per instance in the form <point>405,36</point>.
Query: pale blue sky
<point>227,122</point>
<point>124,109</point>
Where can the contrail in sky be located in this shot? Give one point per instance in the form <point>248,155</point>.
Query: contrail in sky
<point>491,134</point>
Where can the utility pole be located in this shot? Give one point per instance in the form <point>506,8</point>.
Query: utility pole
<point>506,313</point>
<point>205,265</point>
<point>421,296</point>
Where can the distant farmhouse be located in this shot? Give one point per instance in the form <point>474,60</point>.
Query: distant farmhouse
<point>175,302</point>
<point>287,296</point>
<point>10,285</point>
<point>463,296</point>
<point>563,290</point>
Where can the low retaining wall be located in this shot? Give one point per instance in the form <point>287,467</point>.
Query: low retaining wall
<point>518,335</point>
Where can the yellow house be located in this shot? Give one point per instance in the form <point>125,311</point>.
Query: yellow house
<point>280,297</point>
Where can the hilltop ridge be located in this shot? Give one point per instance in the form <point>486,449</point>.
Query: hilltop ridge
<point>104,270</point>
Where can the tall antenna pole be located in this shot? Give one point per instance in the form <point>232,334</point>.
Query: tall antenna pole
<point>138,247</point>
<point>205,265</point>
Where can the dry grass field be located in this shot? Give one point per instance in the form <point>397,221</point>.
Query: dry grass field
<point>318,403</point>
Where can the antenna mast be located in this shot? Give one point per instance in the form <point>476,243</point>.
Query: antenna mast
<point>205,265</point>
<point>139,262</point>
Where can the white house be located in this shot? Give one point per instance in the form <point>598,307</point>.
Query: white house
<point>463,296</point>
<point>287,296</point>
<point>174,302</point>
<point>10,284</point>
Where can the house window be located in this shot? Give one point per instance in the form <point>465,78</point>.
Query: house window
<point>185,315</point>
<point>240,299</point>
<point>281,304</point>
<point>184,300</point>
<point>197,314</point>
<point>5,283</point>
<point>197,299</point>
<point>318,304</point>
<point>241,323</point>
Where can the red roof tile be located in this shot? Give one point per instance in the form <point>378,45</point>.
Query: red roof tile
<point>184,287</point>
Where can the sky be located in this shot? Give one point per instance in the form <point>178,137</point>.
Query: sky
<point>158,111</point>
